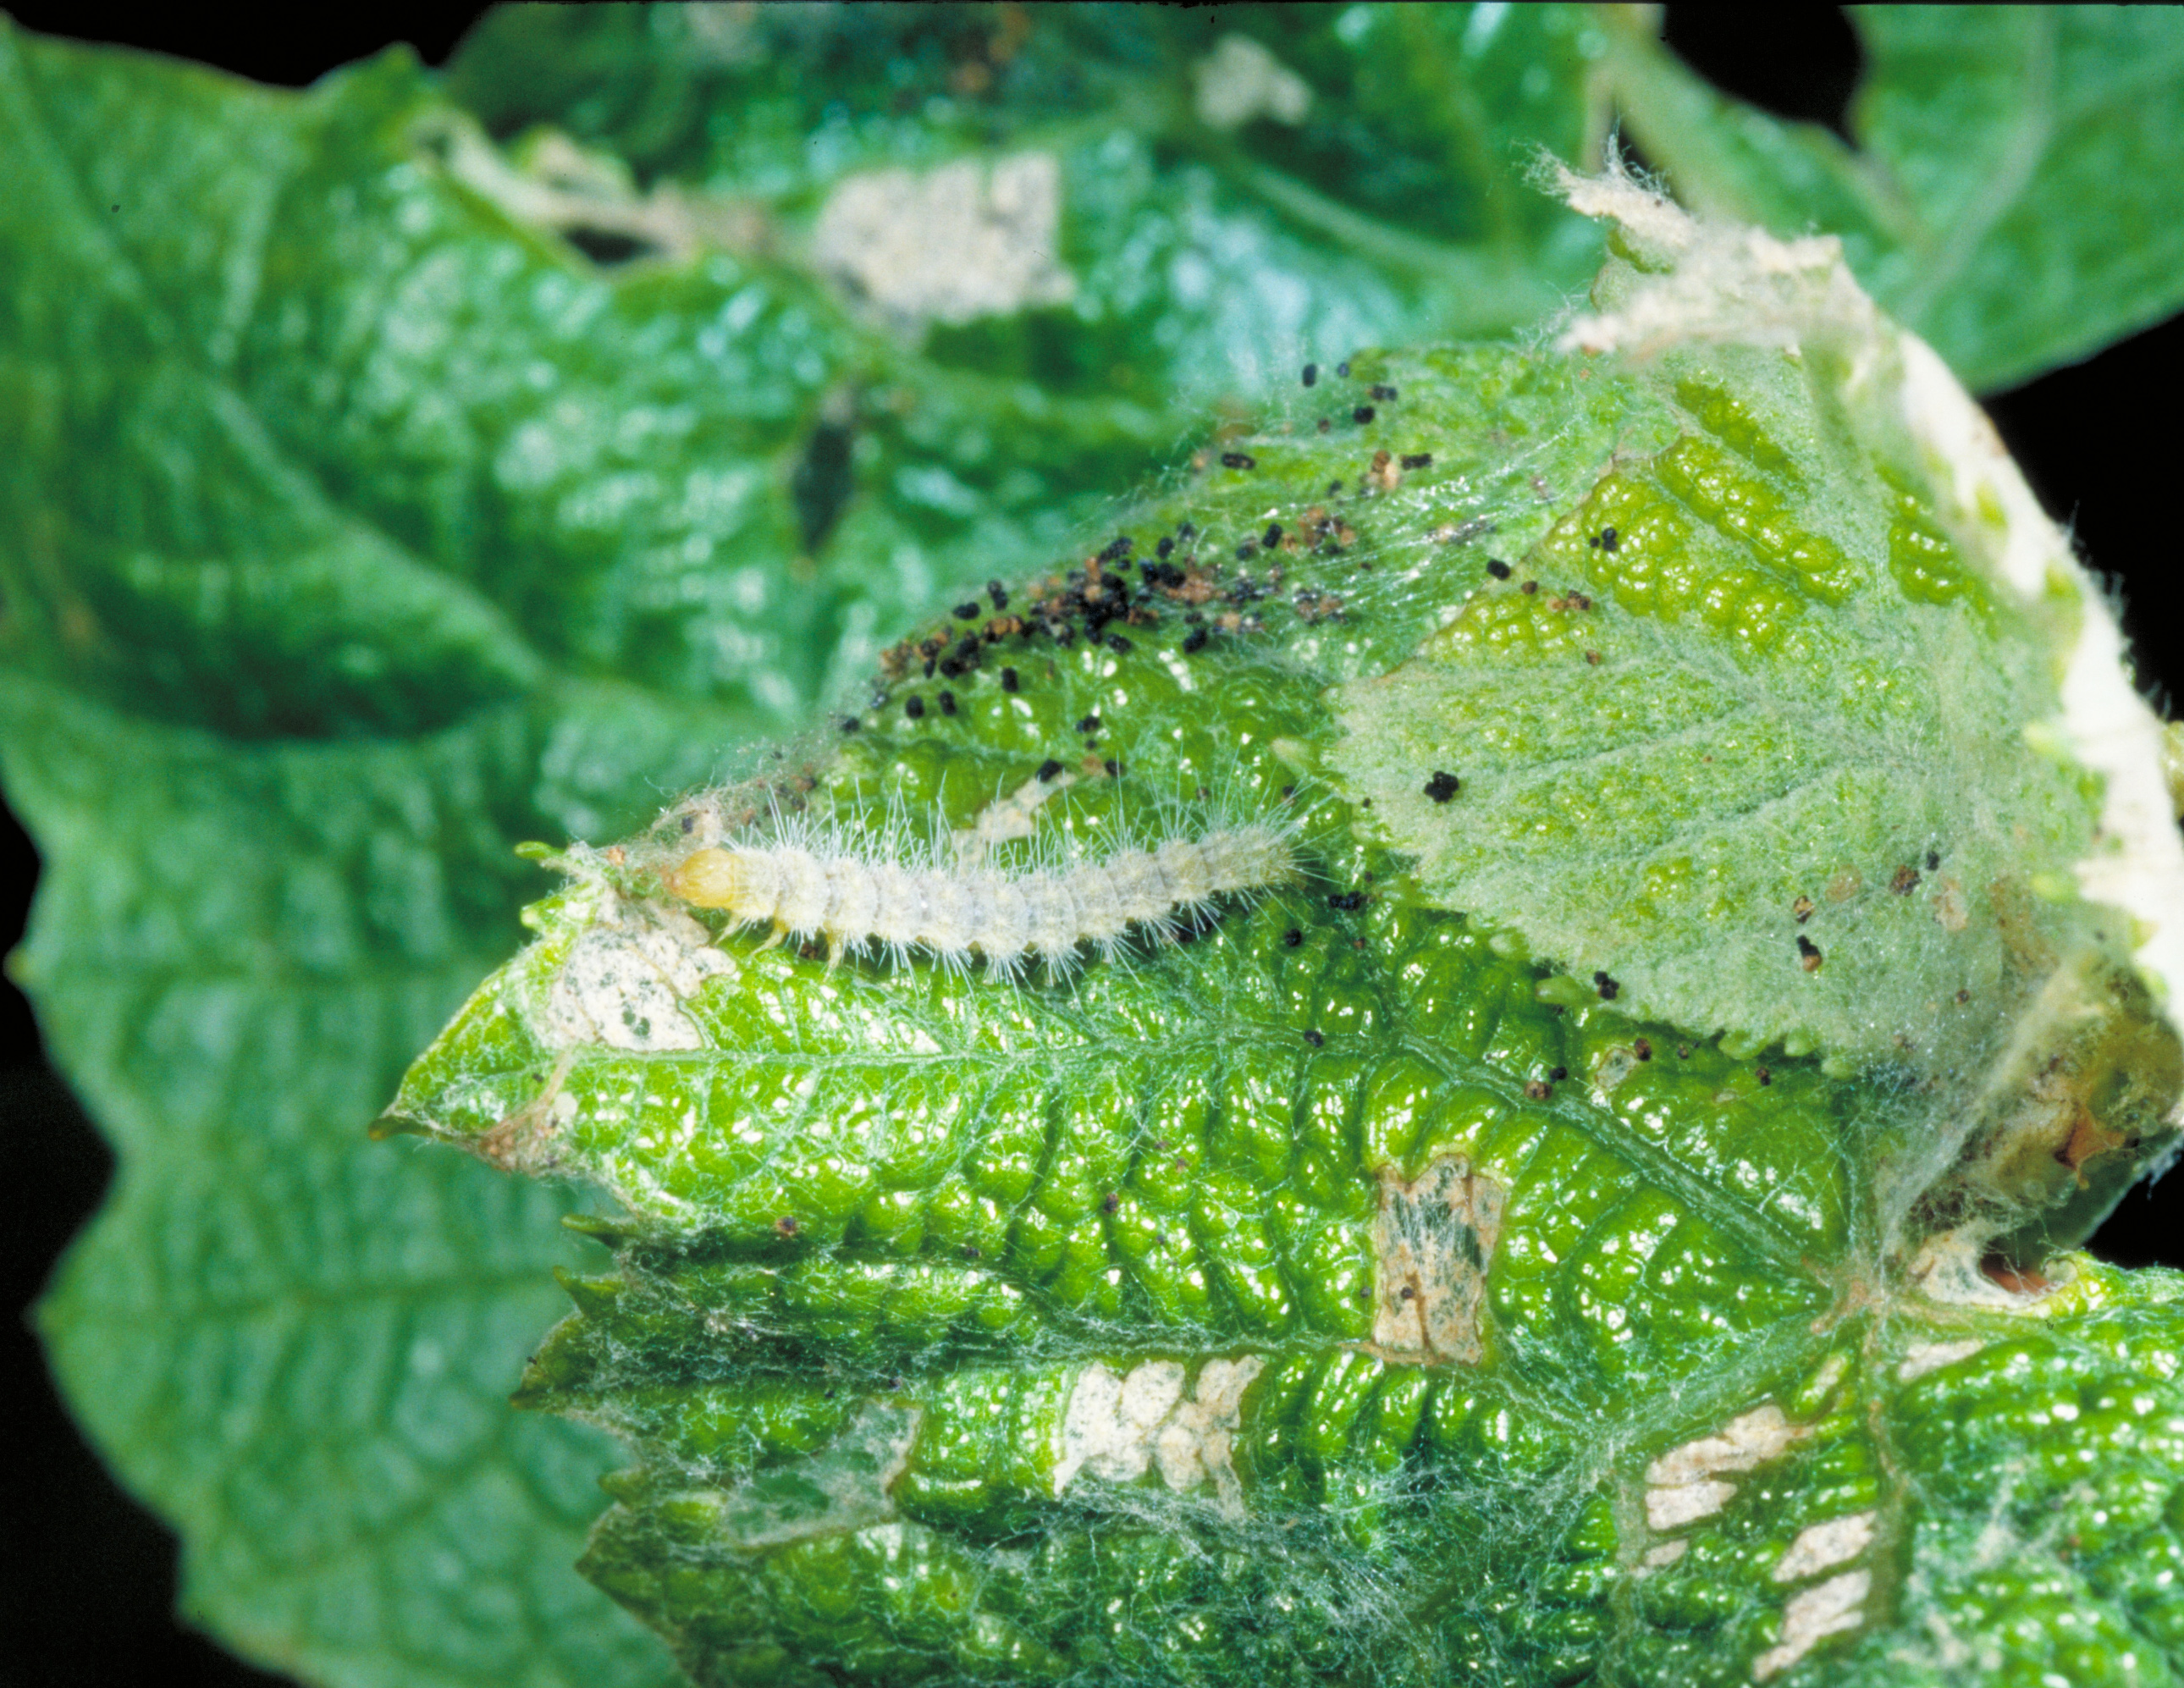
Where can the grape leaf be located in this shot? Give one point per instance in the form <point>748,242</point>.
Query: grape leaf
<point>2007,197</point>
<point>401,499</point>
<point>297,1347</point>
<point>358,524</point>
<point>1240,188</point>
<point>303,585</point>
<point>1350,1276</point>
<point>2004,197</point>
<point>1817,876</point>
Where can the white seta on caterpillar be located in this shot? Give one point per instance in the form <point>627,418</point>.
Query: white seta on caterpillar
<point>857,899</point>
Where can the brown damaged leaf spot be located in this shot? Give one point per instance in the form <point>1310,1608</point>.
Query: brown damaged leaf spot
<point>525,1141</point>
<point>2018,1280</point>
<point>1433,1240</point>
<point>2089,1138</point>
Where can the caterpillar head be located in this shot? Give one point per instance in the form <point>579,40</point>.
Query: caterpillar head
<point>738,880</point>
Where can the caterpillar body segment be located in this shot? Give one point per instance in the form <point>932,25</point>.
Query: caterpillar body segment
<point>856,903</point>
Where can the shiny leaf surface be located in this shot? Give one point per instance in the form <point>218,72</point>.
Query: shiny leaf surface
<point>375,498</point>
<point>1351,1277</point>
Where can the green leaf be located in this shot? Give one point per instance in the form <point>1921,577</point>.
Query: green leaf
<point>354,526</point>
<point>295,1345</point>
<point>1742,581</point>
<point>2008,198</point>
<point>1348,1276</point>
<point>284,690</point>
<point>311,525</point>
<point>373,499</point>
<point>1213,229</point>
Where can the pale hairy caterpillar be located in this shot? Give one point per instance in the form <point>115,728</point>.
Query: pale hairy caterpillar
<point>857,899</point>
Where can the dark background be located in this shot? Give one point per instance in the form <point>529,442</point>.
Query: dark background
<point>88,1581</point>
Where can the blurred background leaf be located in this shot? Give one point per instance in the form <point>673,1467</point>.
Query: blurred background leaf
<point>2010,188</point>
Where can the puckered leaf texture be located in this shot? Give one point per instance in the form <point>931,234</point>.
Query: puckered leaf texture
<point>357,525</point>
<point>397,471</point>
<point>1574,1213</point>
